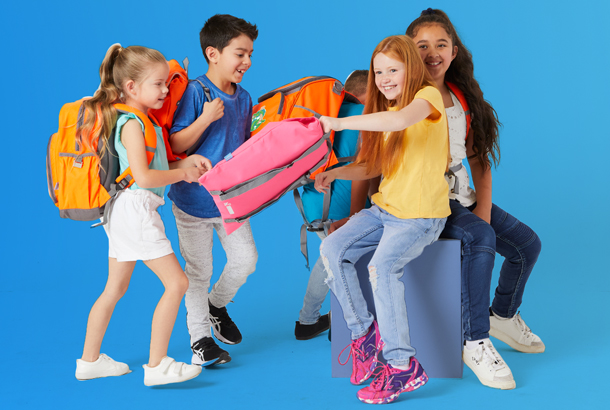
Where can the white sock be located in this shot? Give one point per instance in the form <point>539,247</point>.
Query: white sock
<point>473,344</point>
<point>402,367</point>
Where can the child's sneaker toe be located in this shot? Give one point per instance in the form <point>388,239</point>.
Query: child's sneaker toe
<point>104,366</point>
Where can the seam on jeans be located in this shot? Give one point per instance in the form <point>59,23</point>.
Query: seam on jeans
<point>483,249</point>
<point>343,280</point>
<point>503,238</point>
<point>522,270</point>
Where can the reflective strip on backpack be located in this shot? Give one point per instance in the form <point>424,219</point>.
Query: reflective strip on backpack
<point>269,175</point>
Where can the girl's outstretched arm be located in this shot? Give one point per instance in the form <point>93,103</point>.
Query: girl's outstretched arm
<point>418,110</point>
<point>481,179</point>
<point>133,140</point>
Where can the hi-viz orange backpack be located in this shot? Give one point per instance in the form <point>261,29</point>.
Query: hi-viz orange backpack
<point>177,82</point>
<point>81,186</point>
<point>307,97</point>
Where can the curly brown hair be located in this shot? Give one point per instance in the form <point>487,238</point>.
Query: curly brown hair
<point>485,124</point>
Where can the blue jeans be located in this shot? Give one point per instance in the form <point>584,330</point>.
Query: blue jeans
<point>512,239</point>
<point>316,292</point>
<point>395,242</point>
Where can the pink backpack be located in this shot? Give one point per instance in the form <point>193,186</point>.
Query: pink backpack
<point>279,158</point>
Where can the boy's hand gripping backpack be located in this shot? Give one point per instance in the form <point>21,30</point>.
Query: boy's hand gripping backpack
<point>81,189</point>
<point>310,96</point>
<point>164,117</point>
<point>279,158</point>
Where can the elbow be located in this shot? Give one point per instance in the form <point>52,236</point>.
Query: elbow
<point>144,182</point>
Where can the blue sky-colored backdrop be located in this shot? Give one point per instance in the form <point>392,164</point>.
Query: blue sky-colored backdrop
<point>543,67</point>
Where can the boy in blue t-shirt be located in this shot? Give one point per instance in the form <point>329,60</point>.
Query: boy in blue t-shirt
<point>223,125</point>
<point>311,323</point>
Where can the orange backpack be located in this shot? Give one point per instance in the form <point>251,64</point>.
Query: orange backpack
<point>307,97</point>
<point>177,82</point>
<point>80,185</point>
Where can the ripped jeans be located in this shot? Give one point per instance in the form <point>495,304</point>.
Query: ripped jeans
<point>396,242</point>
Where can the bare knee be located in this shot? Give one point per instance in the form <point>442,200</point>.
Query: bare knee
<point>178,285</point>
<point>114,293</point>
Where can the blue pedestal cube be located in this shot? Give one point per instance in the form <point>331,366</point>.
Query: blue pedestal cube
<point>433,294</point>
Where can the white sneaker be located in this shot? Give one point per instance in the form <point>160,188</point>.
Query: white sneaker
<point>488,366</point>
<point>169,371</point>
<point>104,366</point>
<point>515,333</point>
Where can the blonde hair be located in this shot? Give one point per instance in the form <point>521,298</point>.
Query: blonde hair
<point>377,155</point>
<point>99,115</point>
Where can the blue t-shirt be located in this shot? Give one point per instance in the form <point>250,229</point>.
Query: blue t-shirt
<point>345,145</point>
<point>222,137</point>
<point>159,160</point>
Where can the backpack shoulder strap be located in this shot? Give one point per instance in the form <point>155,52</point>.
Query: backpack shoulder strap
<point>206,91</point>
<point>125,180</point>
<point>462,99</point>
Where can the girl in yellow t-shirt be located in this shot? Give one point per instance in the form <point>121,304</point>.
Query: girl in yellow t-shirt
<point>405,140</point>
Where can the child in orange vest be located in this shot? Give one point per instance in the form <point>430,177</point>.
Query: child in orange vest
<point>137,77</point>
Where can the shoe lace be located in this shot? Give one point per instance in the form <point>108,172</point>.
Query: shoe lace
<point>522,326</point>
<point>381,374</point>
<point>354,352</point>
<point>490,355</point>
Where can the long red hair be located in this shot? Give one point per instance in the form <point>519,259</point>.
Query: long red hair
<point>377,155</point>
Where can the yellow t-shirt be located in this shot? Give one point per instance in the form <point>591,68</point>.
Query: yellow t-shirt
<point>418,189</point>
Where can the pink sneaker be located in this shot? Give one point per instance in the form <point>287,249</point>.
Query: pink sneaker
<point>364,352</point>
<point>390,382</point>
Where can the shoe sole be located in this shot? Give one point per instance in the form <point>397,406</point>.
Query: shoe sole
<point>171,380</point>
<point>490,383</point>
<point>222,359</point>
<point>83,377</point>
<point>514,344</point>
<point>413,385</point>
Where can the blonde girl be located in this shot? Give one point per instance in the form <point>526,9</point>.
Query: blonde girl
<point>404,140</point>
<point>136,76</point>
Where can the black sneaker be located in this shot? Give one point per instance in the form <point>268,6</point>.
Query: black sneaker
<point>224,329</point>
<point>206,352</point>
<point>306,332</point>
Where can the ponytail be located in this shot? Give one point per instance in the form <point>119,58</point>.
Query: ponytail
<point>98,112</point>
<point>99,116</point>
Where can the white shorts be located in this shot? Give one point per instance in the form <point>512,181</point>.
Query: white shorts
<point>135,229</point>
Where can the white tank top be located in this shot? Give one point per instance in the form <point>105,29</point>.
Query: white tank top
<point>458,180</point>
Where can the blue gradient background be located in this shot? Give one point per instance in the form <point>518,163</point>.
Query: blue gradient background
<point>544,68</point>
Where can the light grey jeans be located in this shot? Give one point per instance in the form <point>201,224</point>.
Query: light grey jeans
<point>317,289</point>
<point>196,240</point>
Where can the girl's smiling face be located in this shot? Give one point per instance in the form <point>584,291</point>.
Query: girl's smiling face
<point>436,50</point>
<point>389,76</point>
<point>150,92</point>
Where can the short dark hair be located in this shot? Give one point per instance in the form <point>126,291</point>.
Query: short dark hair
<point>356,82</point>
<point>220,29</point>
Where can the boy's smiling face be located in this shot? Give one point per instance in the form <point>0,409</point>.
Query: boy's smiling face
<point>229,65</point>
